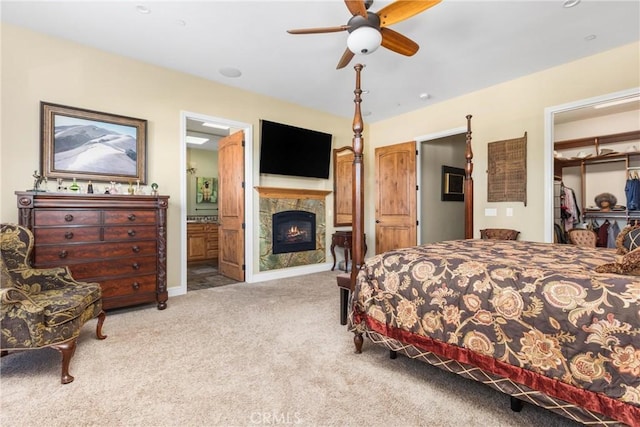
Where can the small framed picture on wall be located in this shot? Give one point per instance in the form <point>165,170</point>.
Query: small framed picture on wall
<point>206,190</point>
<point>452,184</point>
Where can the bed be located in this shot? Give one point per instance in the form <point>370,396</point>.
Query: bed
<point>533,320</point>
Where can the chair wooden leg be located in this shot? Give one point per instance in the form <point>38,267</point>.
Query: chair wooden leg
<point>101,318</point>
<point>67,349</point>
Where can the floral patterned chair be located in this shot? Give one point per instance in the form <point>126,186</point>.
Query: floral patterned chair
<point>42,307</point>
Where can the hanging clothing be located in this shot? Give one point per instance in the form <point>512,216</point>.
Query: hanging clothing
<point>569,211</point>
<point>614,230</point>
<point>603,234</point>
<point>632,192</point>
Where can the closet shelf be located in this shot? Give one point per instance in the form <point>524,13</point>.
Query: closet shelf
<point>607,158</point>
<point>622,215</point>
<point>596,141</point>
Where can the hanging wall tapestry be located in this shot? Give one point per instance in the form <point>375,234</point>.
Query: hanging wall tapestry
<point>206,190</point>
<point>507,173</point>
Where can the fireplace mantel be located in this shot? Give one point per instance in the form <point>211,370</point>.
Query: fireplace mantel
<point>291,193</point>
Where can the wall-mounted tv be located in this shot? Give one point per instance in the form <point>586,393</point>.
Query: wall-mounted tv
<point>294,151</point>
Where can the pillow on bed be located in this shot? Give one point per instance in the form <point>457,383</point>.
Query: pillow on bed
<point>629,264</point>
<point>628,239</point>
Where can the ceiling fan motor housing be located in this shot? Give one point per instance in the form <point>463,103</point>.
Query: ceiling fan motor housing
<point>357,21</point>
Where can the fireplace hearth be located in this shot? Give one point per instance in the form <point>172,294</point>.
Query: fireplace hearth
<point>293,231</point>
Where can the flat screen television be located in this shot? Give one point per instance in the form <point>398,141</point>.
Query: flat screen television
<point>294,151</point>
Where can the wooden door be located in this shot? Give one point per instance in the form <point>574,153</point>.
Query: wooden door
<point>231,206</point>
<point>395,192</point>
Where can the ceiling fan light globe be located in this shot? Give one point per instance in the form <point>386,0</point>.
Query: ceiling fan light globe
<point>364,40</point>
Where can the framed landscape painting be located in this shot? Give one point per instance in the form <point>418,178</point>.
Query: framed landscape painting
<point>90,145</point>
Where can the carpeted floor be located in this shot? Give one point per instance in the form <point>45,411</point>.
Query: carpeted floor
<point>268,353</point>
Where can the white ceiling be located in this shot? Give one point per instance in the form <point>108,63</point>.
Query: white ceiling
<point>464,45</point>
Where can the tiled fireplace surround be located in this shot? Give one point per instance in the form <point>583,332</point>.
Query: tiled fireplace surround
<point>274,200</point>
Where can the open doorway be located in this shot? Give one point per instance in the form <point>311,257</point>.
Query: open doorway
<point>576,111</point>
<point>199,204</point>
<point>435,151</point>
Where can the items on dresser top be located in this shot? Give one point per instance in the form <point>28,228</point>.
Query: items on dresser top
<point>119,241</point>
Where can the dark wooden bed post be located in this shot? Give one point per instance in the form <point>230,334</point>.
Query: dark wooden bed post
<point>357,189</point>
<point>357,194</point>
<point>468,185</point>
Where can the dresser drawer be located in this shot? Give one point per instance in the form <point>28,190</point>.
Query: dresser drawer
<point>65,217</point>
<point>132,232</point>
<point>114,267</point>
<point>71,253</point>
<point>117,240</point>
<point>128,286</point>
<point>63,235</point>
<point>129,217</point>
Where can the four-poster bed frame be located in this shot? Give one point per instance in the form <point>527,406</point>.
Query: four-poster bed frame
<point>501,312</point>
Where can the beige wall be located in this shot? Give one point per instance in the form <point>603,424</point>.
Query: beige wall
<point>506,111</point>
<point>39,68</point>
<point>36,67</point>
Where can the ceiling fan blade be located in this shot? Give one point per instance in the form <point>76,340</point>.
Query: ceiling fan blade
<point>346,58</point>
<point>319,30</point>
<point>356,7</point>
<point>398,43</point>
<point>403,9</point>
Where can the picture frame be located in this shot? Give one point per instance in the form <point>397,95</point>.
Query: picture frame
<point>206,190</point>
<point>92,145</point>
<point>452,184</point>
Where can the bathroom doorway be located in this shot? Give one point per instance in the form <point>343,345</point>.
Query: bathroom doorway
<point>200,190</point>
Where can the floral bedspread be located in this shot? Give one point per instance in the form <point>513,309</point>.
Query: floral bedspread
<point>534,312</point>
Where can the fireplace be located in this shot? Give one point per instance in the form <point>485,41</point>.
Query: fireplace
<point>293,231</point>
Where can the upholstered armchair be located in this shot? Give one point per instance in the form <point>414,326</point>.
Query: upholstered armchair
<point>42,307</point>
<point>499,234</point>
<point>583,237</point>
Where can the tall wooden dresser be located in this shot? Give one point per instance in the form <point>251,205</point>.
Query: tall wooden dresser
<point>119,241</point>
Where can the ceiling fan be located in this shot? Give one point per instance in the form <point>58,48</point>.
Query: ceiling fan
<point>368,30</point>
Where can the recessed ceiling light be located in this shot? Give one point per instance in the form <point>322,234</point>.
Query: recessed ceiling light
<point>143,9</point>
<point>181,22</point>
<point>590,37</point>
<point>195,140</point>
<point>424,96</point>
<point>570,3</point>
<point>366,113</point>
<point>230,72</point>
<point>215,126</point>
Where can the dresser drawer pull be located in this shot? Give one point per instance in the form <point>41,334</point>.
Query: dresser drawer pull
<point>63,254</point>
<point>68,217</point>
<point>135,249</point>
<point>68,235</point>
<point>131,233</point>
<point>132,217</point>
<point>135,286</point>
<point>135,266</point>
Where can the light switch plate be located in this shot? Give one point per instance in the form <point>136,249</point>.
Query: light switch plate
<point>490,212</point>
<point>509,211</point>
